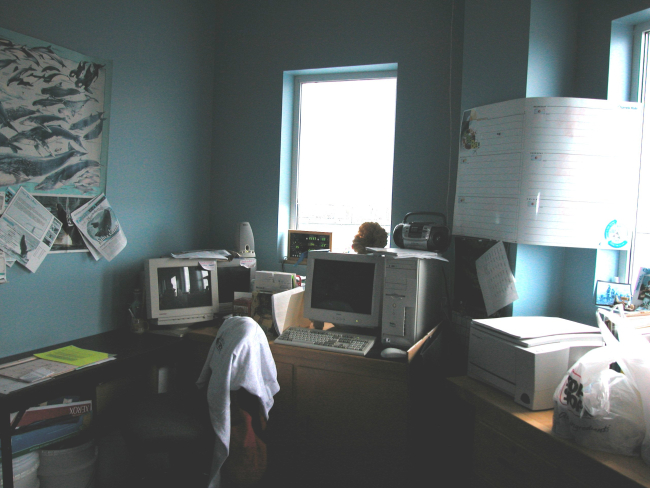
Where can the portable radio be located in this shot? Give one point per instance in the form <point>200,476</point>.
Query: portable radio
<point>425,236</point>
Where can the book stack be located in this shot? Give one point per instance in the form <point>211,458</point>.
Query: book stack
<point>41,426</point>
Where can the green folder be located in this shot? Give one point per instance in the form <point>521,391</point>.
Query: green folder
<point>73,355</point>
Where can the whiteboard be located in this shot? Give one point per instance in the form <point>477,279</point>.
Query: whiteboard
<point>550,171</point>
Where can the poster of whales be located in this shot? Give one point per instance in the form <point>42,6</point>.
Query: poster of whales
<point>54,127</point>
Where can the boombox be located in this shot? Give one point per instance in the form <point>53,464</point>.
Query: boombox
<point>425,236</point>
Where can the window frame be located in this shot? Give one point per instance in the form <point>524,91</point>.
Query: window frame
<point>638,86</point>
<point>639,52</point>
<point>298,81</point>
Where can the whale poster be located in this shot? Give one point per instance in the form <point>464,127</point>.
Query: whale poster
<point>54,126</point>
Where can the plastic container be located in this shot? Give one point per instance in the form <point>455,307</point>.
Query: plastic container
<point>69,468</point>
<point>25,468</point>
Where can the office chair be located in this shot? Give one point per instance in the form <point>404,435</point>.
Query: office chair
<point>239,360</point>
<point>234,395</point>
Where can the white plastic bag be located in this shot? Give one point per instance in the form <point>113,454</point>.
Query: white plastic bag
<point>634,359</point>
<point>600,408</point>
<point>597,407</point>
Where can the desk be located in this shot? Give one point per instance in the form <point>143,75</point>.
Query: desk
<point>338,419</point>
<point>514,446</point>
<point>133,351</point>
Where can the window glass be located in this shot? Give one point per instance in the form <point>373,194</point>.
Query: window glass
<point>344,132</point>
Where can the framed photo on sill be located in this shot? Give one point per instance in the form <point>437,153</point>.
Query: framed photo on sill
<point>609,293</point>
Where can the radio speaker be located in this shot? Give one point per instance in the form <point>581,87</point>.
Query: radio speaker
<point>244,242</point>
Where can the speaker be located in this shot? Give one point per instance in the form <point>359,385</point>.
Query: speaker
<point>244,242</point>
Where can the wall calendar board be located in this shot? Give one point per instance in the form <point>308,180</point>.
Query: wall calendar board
<point>550,171</point>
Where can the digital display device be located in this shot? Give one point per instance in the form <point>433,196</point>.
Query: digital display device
<point>344,289</point>
<point>180,291</point>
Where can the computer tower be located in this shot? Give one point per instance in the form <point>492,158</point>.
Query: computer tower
<point>414,294</point>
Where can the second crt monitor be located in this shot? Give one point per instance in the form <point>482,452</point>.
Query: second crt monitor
<point>344,289</point>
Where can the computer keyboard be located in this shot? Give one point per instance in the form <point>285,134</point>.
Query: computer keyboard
<point>326,340</point>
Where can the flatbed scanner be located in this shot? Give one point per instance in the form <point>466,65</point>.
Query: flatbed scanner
<point>527,356</point>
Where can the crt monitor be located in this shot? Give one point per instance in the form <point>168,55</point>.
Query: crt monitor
<point>344,289</point>
<point>180,291</point>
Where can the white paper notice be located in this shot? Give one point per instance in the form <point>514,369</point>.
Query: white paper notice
<point>496,279</point>
<point>550,171</point>
<point>98,223</point>
<point>27,230</point>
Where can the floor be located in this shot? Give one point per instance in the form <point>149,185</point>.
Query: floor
<point>115,468</point>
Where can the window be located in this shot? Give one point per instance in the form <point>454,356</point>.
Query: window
<point>342,152</point>
<point>640,256</point>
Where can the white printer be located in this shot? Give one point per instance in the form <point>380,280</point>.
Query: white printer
<point>527,356</point>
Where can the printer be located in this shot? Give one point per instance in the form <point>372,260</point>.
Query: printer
<point>527,357</point>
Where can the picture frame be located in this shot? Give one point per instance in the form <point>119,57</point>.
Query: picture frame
<point>609,293</point>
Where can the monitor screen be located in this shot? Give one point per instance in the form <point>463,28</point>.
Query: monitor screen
<point>344,289</point>
<point>183,287</point>
<point>180,291</point>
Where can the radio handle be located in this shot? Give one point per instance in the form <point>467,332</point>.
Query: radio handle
<point>437,214</point>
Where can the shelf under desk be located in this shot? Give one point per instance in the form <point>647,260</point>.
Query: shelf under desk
<point>132,351</point>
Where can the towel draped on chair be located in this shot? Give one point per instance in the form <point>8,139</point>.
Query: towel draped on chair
<point>239,358</point>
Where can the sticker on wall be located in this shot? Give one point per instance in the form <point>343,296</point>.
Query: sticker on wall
<point>616,235</point>
<point>54,125</point>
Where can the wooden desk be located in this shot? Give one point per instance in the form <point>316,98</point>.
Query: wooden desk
<point>513,446</point>
<point>338,419</point>
<point>133,351</point>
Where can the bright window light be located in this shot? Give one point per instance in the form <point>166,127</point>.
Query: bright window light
<point>344,156</point>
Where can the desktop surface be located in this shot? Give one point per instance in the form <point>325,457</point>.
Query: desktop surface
<point>132,351</point>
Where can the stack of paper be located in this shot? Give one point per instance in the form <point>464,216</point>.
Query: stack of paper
<point>533,331</point>
<point>34,369</point>
<point>42,366</point>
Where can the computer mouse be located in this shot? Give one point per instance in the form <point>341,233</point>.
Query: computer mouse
<point>392,353</point>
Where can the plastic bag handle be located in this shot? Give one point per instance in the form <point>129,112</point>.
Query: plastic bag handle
<point>609,338</point>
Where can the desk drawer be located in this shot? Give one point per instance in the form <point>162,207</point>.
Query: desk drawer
<point>503,463</point>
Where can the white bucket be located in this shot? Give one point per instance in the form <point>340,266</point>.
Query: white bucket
<point>25,468</point>
<point>69,468</point>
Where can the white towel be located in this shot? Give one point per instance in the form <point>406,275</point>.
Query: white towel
<point>240,357</point>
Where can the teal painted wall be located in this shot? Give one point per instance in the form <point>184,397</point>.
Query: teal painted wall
<point>495,51</point>
<point>594,32</point>
<point>260,40</point>
<point>552,48</point>
<point>201,80</point>
<point>159,157</point>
